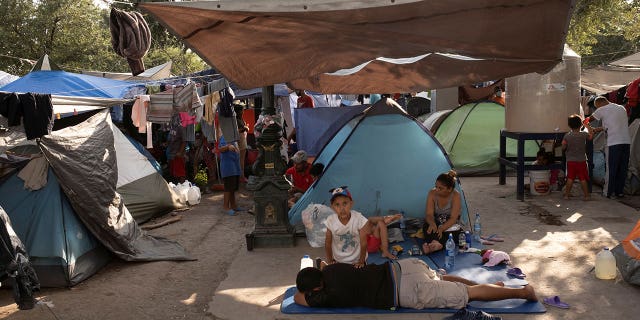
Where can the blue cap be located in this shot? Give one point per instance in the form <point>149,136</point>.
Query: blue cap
<point>340,191</point>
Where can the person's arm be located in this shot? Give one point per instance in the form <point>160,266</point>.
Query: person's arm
<point>564,144</point>
<point>589,130</point>
<point>328,249</point>
<point>386,219</point>
<point>456,207</point>
<point>429,213</point>
<point>363,232</point>
<point>299,298</point>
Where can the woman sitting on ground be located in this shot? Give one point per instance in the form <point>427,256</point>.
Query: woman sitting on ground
<point>442,213</point>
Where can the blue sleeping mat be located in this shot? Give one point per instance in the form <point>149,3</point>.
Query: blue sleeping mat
<point>467,265</point>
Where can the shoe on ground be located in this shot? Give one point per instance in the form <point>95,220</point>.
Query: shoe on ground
<point>464,314</point>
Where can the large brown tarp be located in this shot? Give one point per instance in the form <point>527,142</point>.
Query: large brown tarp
<point>256,43</point>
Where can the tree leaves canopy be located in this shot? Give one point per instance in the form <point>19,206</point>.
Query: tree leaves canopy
<point>75,34</point>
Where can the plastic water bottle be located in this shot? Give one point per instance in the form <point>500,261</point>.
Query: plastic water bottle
<point>306,262</point>
<point>467,236</point>
<point>605,264</point>
<point>402,223</point>
<point>477,228</point>
<point>450,253</point>
<point>462,242</point>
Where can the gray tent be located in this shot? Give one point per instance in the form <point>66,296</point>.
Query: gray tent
<point>83,158</point>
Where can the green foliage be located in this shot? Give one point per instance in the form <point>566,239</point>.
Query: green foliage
<point>75,34</point>
<point>604,30</point>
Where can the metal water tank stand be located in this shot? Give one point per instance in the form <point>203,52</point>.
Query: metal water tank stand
<point>518,162</point>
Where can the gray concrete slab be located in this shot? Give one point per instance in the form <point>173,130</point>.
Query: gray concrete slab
<point>553,240</point>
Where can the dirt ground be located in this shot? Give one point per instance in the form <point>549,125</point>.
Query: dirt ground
<point>154,290</point>
<point>553,240</point>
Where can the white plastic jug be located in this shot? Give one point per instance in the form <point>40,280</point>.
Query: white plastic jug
<point>605,264</point>
<point>539,182</point>
<point>306,262</point>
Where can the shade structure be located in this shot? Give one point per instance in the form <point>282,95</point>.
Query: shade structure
<point>401,44</point>
<point>386,158</point>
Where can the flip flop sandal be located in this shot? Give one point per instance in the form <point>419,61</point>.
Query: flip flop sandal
<point>230,212</point>
<point>494,237</point>
<point>516,272</point>
<point>486,242</point>
<point>555,302</point>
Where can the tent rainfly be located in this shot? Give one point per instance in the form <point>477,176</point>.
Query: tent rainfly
<point>397,160</point>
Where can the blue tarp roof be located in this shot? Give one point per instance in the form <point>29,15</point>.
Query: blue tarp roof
<point>69,84</point>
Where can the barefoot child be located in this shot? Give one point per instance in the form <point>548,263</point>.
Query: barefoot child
<point>377,236</point>
<point>574,145</point>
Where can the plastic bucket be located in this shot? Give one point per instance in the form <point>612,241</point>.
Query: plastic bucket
<point>539,182</point>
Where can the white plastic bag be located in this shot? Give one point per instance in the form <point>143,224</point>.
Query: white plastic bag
<point>313,218</point>
<point>193,195</point>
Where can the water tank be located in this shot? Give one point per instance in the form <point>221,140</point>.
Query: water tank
<point>541,103</point>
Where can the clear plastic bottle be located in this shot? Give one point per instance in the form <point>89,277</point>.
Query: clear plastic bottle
<point>402,222</point>
<point>450,253</point>
<point>477,228</point>
<point>306,262</point>
<point>462,242</point>
<point>605,264</point>
<point>467,236</point>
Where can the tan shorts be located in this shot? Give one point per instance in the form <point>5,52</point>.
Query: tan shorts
<point>242,141</point>
<point>421,288</point>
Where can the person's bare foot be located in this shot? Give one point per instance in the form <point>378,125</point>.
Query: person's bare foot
<point>435,246</point>
<point>566,197</point>
<point>530,293</point>
<point>499,283</point>
<point>425,248</point>
<point>389,255</point>
<point>587,198</point>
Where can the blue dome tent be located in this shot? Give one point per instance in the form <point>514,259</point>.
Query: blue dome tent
<point>388,160</point>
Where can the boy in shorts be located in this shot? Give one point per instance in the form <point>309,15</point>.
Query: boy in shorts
<point>574,145</point>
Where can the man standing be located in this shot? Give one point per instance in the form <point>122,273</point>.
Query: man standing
<point>304,100</point>
<point>614,123</point>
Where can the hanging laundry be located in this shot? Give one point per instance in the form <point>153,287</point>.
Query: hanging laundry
<point>38,114</point>
<point>34,174</point>
<point>217,85</point>
<point>10,108</point>
<point>186,119</point>
<point>225,108</point>
<point>210,104</point>
<point>130,37</point>
<point>160,107</point>
<point>139,113</point>
<point>183,98</point>
<point>208,130</point>
<point>149,135</point>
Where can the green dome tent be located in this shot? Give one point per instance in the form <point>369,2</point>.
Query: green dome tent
<point>471,136</point>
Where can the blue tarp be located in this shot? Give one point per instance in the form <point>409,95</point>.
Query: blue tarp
<point>387,159</point>
<point>69,84</point>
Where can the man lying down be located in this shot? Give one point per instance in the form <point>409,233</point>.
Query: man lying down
<point>408,283</point>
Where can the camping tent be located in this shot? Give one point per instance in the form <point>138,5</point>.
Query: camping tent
<point>386,158</point>
<point>89,161</point>
<point>6,78</point>
<point>143,189</point>
<point>471,136</point>
<point>62,250</point>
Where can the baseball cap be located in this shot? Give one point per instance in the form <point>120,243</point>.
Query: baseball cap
<point>340,191</point>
